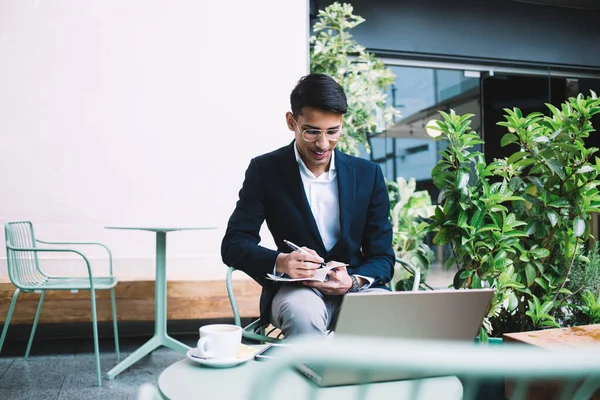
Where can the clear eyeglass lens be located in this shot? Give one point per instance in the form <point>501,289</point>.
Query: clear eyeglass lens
<point>310,135</point>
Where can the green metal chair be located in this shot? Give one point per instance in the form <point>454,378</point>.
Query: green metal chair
<point>414,271</point>
<point>577,370</point>
<point>25,273</point>
<point>255,330</point>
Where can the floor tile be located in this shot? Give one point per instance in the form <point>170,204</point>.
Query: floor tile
<point>123,386</point>
<point>95,394</point>
<point>5,363</point>
<point>59,372</point>
<point>33,375</point>
<point>20,394</point>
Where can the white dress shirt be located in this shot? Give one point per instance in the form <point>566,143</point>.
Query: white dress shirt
<point>323,198</point>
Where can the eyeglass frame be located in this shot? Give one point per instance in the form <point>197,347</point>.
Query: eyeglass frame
<point>320,133</point>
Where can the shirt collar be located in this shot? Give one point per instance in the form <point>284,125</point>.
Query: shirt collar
<point>330,173</point>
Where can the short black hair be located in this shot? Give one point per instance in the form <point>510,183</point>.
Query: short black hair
<point>318,91</point>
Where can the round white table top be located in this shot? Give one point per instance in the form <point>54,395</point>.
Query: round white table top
<point>186,380</point>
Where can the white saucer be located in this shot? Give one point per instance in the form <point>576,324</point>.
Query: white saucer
<point>192,354</point>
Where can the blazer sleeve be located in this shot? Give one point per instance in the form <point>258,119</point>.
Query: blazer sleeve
<point>378,255</point>
<point>239,248</point>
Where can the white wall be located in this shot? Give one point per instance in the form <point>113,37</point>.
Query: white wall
<point>141,113</point>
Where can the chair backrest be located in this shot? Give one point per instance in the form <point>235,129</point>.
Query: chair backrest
<point>575,371</point>
<point>411,269</point>
<point>23,266</point>
<point>254,331</point>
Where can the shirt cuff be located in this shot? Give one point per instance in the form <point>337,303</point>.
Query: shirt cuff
<point>368,279</point>
<point>277,273</point>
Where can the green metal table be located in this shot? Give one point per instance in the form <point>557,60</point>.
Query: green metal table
<point>160,338</point>
<point>186,380</point>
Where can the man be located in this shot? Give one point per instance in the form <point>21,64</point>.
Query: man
<point>334,205</point>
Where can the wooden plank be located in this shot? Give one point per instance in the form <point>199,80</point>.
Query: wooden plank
<point>135,302</point>
<point>575,337</point>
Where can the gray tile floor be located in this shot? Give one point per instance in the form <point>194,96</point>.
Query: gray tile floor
<point>64,369</point>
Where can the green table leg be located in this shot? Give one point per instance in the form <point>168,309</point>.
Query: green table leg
<point>160,338</point>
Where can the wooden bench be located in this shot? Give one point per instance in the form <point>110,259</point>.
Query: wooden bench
<point>201,295</point>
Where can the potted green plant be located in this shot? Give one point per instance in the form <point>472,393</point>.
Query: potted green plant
<point>364,78</point>
<point>520,224</point>
<point>409,211</point>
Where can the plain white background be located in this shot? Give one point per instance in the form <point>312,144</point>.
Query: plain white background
<point>147,113</point>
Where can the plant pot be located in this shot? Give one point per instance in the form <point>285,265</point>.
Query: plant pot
<point>493,341</point>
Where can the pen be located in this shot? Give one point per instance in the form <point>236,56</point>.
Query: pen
<point>302,251</point>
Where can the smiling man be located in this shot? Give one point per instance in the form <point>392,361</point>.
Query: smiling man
<point>333,205</point>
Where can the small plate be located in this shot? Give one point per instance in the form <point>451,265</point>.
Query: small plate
<point>193,355</point>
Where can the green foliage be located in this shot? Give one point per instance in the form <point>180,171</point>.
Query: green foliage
<point>363,77</point>
<point>519,224</point>
<point>584,283</point>
<point>589,309</point>
<point>409,212</point>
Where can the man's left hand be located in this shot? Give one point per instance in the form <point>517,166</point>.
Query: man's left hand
<point>339,281</point>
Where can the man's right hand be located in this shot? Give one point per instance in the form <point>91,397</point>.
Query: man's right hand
<point>297,265</point>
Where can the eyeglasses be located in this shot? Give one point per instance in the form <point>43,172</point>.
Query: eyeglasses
<point>313,134</point>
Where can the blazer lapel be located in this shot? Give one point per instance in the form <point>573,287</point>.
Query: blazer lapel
<point>295,188</point>
<point>346,181</point>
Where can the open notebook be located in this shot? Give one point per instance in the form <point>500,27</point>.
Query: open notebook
<point>320,275</point>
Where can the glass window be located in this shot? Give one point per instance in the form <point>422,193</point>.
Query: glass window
<point>406,150</point>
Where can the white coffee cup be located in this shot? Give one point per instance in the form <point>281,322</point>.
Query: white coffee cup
<point>220,341</point>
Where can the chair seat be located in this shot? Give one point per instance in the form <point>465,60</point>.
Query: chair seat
<point>76,283</point>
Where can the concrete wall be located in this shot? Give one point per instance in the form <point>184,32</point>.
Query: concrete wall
<point>484,29</point>
<point>141,113</point>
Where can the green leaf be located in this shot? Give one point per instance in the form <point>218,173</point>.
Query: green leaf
<point>550,323</point>
<point>508,139</point>
<point>475,281</point>
<point>441,237</point>
<point>537,182</point>
<point>525,162</point>
<point>450,262</point>
<point>532,199</point>
<point>531,227</point>
<point>516,157</point>
<point>462,179</point>
<point>578,226</point>
<point>515,233</point>
<point>542,283</point>
<point>515,183</point>
<point>547,306</point>
<point>530,274</point>
<point>539,252</point>
<point>513,302</point>
<point>553,217</point>
<point>556,167</point>
<point>462,219</point>
<point>477,218</point>
<point>554,110</point>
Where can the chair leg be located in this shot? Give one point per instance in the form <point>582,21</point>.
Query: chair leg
<point>114,317</point>
<point>35,322</point>
<point>8,317</point>
<point>95,329</point>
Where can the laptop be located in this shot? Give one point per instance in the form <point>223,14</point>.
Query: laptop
<point>449,315</point>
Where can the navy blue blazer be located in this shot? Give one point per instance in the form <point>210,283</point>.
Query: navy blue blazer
<point>273,191</point>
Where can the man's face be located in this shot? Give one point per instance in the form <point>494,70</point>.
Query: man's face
<point>316,155</point>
